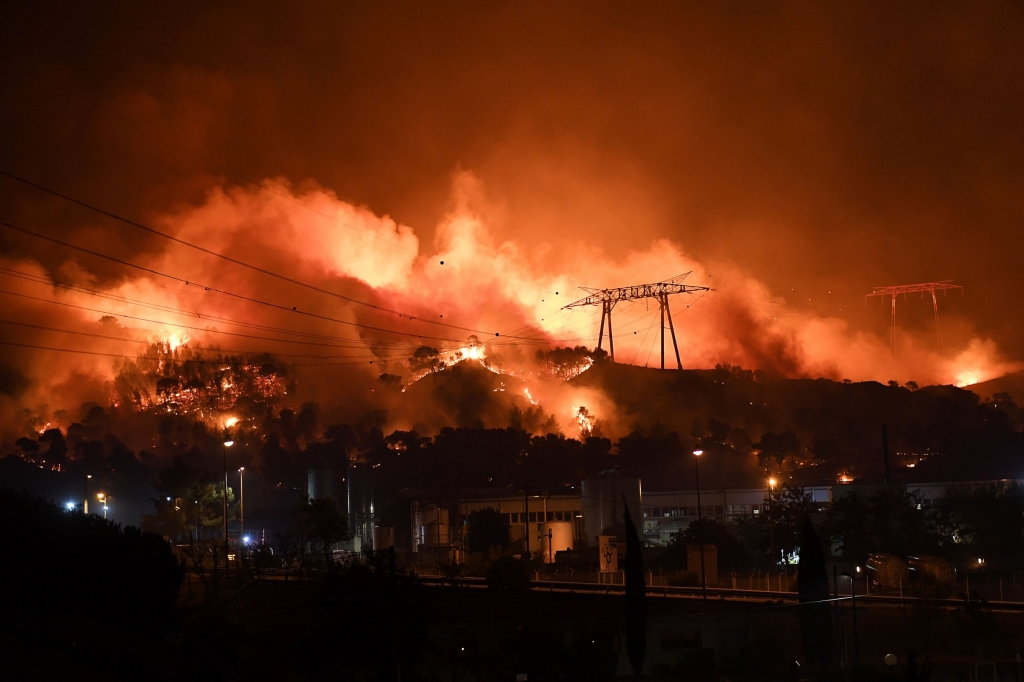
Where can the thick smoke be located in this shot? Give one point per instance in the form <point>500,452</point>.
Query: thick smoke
<point>486,283</point>
<point>789,158</point>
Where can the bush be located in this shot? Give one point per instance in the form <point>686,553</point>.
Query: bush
<point>508,573</point>
<point>59,563</point>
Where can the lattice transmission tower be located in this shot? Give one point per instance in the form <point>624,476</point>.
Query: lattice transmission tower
<point>930,287</point>
<point>660,291</point>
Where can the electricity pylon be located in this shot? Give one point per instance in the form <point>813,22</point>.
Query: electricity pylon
<point>930,287</point>
<point>660,291</point>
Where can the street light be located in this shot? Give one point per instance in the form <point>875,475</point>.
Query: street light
<point>224,497</point>
<point>241,501</point>
<point>697,452</point>
<point>85,499</point>
<point>103,499</point>
<point>771,521</point>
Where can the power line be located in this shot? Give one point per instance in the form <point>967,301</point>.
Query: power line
<point>236,261</point>
<point>168,324</point>
<point>353,343</point>
<point>141,341</point>
<point>131,357</point>
<point>293,309</point>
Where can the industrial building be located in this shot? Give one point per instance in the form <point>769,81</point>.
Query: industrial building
<point>548,522</point>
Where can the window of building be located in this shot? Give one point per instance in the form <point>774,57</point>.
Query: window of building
<point>533,517</point>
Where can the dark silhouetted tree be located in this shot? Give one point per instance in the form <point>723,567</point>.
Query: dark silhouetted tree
<point>812,585</point>
<point>488,528</point>
<point>324,524</point>
<point>636,596</point>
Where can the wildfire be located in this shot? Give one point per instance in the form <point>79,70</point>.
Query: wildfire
<point>526,392</point>
<point>430,361</point>
<point>586,421</point>
<point>185,382</point>
<point>175,340</point>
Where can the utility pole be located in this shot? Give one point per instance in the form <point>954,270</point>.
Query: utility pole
<point>659,291</point>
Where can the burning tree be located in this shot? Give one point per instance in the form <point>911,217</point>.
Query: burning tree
<point>568,363</point>
<point>184,380</point>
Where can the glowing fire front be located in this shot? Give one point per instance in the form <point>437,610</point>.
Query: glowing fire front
<point>428,360</point>
<point>185,380</point>
<point>585,419</point>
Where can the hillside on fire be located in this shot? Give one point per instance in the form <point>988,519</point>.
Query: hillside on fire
<point>474,421</point>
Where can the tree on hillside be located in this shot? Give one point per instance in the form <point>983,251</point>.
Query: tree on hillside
<point>426,360</point>
<point>774,448</point>
<point>488,528</point>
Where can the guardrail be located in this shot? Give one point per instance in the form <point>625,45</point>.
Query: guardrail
<point>720,593</point>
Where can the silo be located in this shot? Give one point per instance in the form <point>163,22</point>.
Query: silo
<point>888,570</point>
<point>383,537</point>
<point>555,536</point>
<point>319,484</point>
<point>603,506</point>
<point>434,529</point>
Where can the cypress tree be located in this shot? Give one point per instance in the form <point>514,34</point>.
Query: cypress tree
<point>636,596</point>
<point>815,616</point>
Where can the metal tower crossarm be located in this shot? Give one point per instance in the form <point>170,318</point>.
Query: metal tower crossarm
<point>660,291</point>
<point>929,287</point>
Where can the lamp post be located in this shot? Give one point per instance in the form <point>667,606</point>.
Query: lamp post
<point>103,500</point>
<point>224,497</point>
<point>241,502</point>
<point>853,605</point>
<point>85,500</point>
<point>700,523</point>
<point>771,523</point>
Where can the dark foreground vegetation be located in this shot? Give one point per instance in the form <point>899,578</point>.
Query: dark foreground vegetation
<point>85,599</point>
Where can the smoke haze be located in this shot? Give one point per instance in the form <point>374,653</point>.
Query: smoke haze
<point>789,158</point>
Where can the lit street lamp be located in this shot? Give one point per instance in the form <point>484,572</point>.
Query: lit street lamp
<point>241,501</point>
<point>103,500</point>
<point>85,499</point>
<point>700,523</point>
<point>224,497</point>
<point>771,522</point>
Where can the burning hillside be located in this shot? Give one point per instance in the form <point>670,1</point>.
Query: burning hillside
<point>183,380</point>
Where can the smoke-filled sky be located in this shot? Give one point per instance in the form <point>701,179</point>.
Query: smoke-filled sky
<point>791,156</point>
